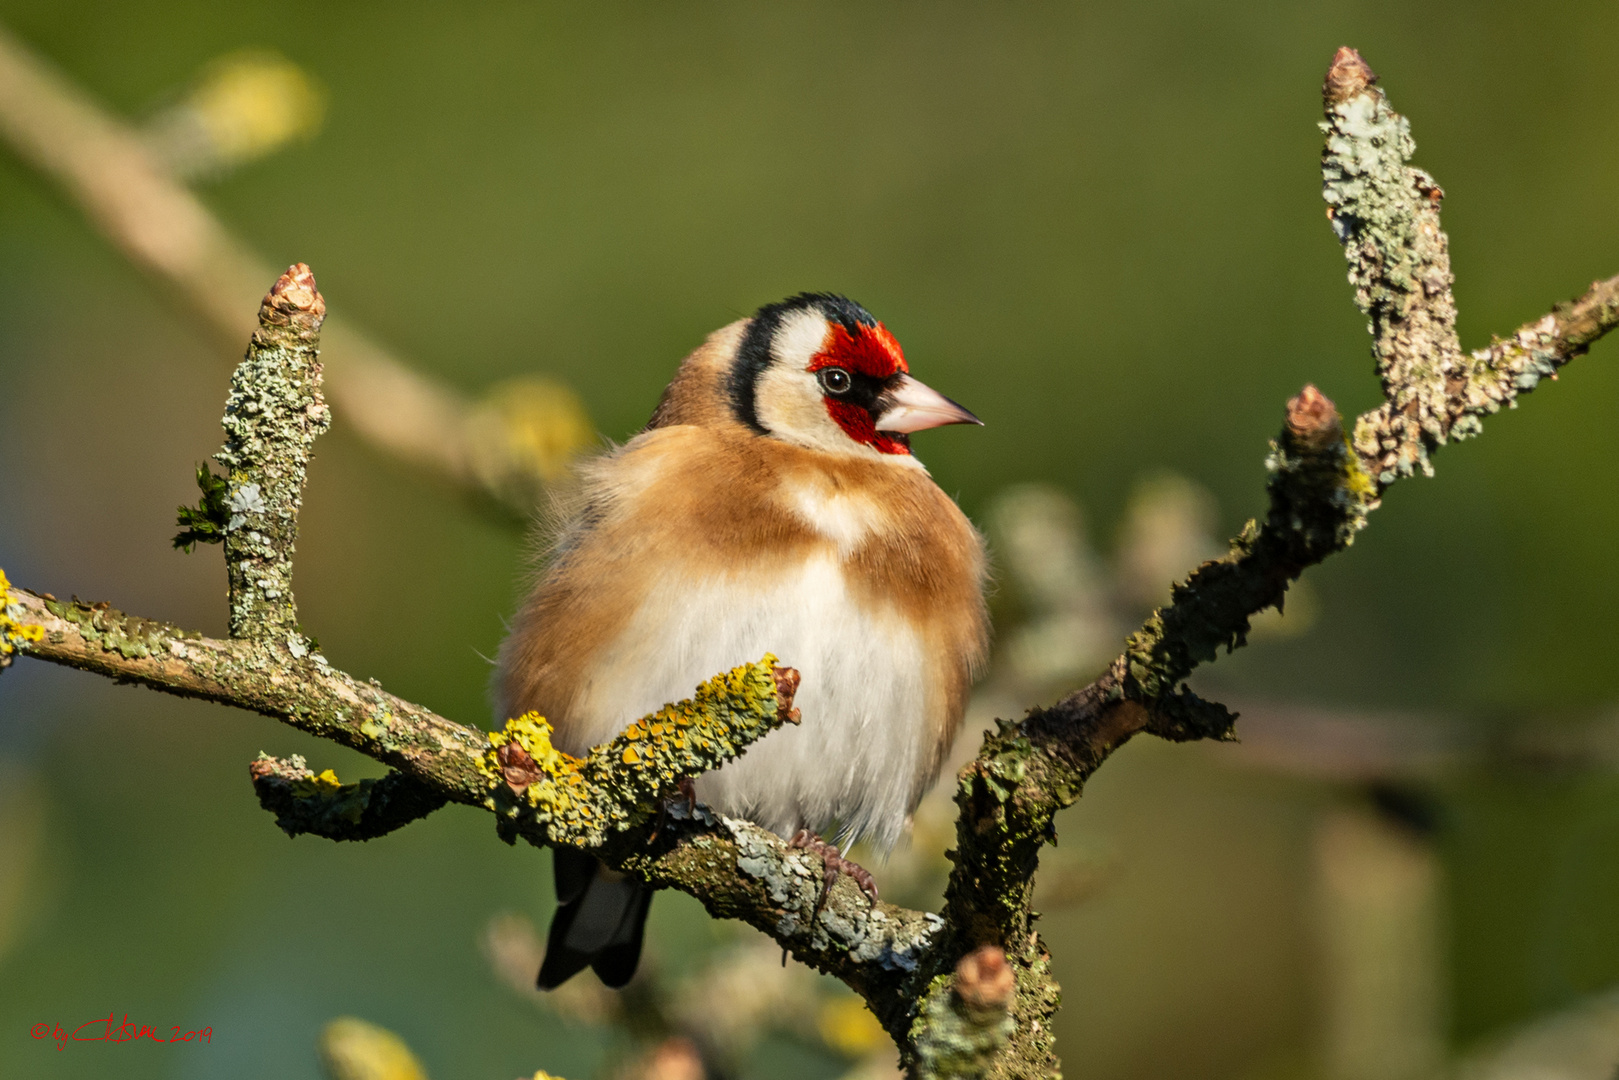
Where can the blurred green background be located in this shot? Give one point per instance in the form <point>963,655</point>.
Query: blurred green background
<point>1098,225</point>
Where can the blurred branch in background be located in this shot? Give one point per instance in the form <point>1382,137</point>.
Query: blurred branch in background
<point>1067,605</point>
<point>1382,963</point>
<point>1578,1043</point>
<point>503,448</point>
<point>243,106</point>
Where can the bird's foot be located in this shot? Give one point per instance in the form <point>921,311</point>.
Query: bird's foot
<point>686,787</point>
<point>834,865</point>
<point>685,791</point>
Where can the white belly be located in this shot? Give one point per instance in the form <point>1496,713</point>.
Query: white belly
<point>853,760</point>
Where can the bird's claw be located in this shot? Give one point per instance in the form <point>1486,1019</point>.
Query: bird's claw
<point>687,789</point>
<point>684,789</point>
<point>834,865</point>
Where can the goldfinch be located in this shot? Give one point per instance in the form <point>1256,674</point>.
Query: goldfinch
<point>771,504</point>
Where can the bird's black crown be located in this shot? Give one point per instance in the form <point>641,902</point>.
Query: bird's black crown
<point>754,354</point>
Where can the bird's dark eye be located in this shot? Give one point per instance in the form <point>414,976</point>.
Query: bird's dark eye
<point>834,380</point>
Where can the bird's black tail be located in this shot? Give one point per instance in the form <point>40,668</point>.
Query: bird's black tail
<point>600,920</point>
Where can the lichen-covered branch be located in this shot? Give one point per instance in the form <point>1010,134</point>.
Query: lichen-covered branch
<point>320,804</point>
<point>579,801</point>
<point>306,691</point>
<point>964,993</point>
<point>559,799</point>
<point>1386,215</point>
<point>1028,771</point>
<point>1321,489</point>
<point>736,869</point>
<point>15,631</point>
<point>272,417</point>
<point>966,1018</point>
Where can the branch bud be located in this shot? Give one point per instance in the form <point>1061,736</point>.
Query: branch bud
<point>787,680</point>
<point>517,767</point>
<point>1312,419</point>
<point>1348,77</point>
<point>984,980</point>
<point>294,302</point>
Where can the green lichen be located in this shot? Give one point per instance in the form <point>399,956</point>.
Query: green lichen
<point>579,801</point>
<point>1386,215</point>
<point>1367,186</point>
<point>378,725</point>
<point>951,1040</point>
<point>1319,498</point>
<point>130,636</point>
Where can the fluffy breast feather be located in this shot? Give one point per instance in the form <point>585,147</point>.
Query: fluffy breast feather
<point>694,549</point>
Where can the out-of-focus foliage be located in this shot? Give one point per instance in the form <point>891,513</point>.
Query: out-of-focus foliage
<point>351,1049</point>
<point>242,107</point>
<point>1097,225</point>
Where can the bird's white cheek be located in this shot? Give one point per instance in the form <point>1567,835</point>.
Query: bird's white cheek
<point>789,404</point>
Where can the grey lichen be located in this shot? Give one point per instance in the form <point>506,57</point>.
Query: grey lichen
<point>1511,367</point>
<point>273,415</point>
<point>1386,215</point>
<point>865,932</point>
<point>965,1018</point>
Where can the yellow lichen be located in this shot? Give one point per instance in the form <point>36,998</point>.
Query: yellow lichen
<point>618,783</point>
<point>348,801</point>
<point>14,633</point>
<point>323,783</point>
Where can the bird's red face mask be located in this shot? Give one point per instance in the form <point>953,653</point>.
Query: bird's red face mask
<point>818,370</point>
<point>869,391</point>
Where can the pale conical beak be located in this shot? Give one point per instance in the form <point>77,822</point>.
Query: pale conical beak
<point>916,406</point>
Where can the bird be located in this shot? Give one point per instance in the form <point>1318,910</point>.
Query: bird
<point>771,504</point>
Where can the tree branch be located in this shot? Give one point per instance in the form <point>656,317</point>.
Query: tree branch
<point>272,417</point>
<point>1386,215</point>
<point>321,805</point>
<point>950,1018</point>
